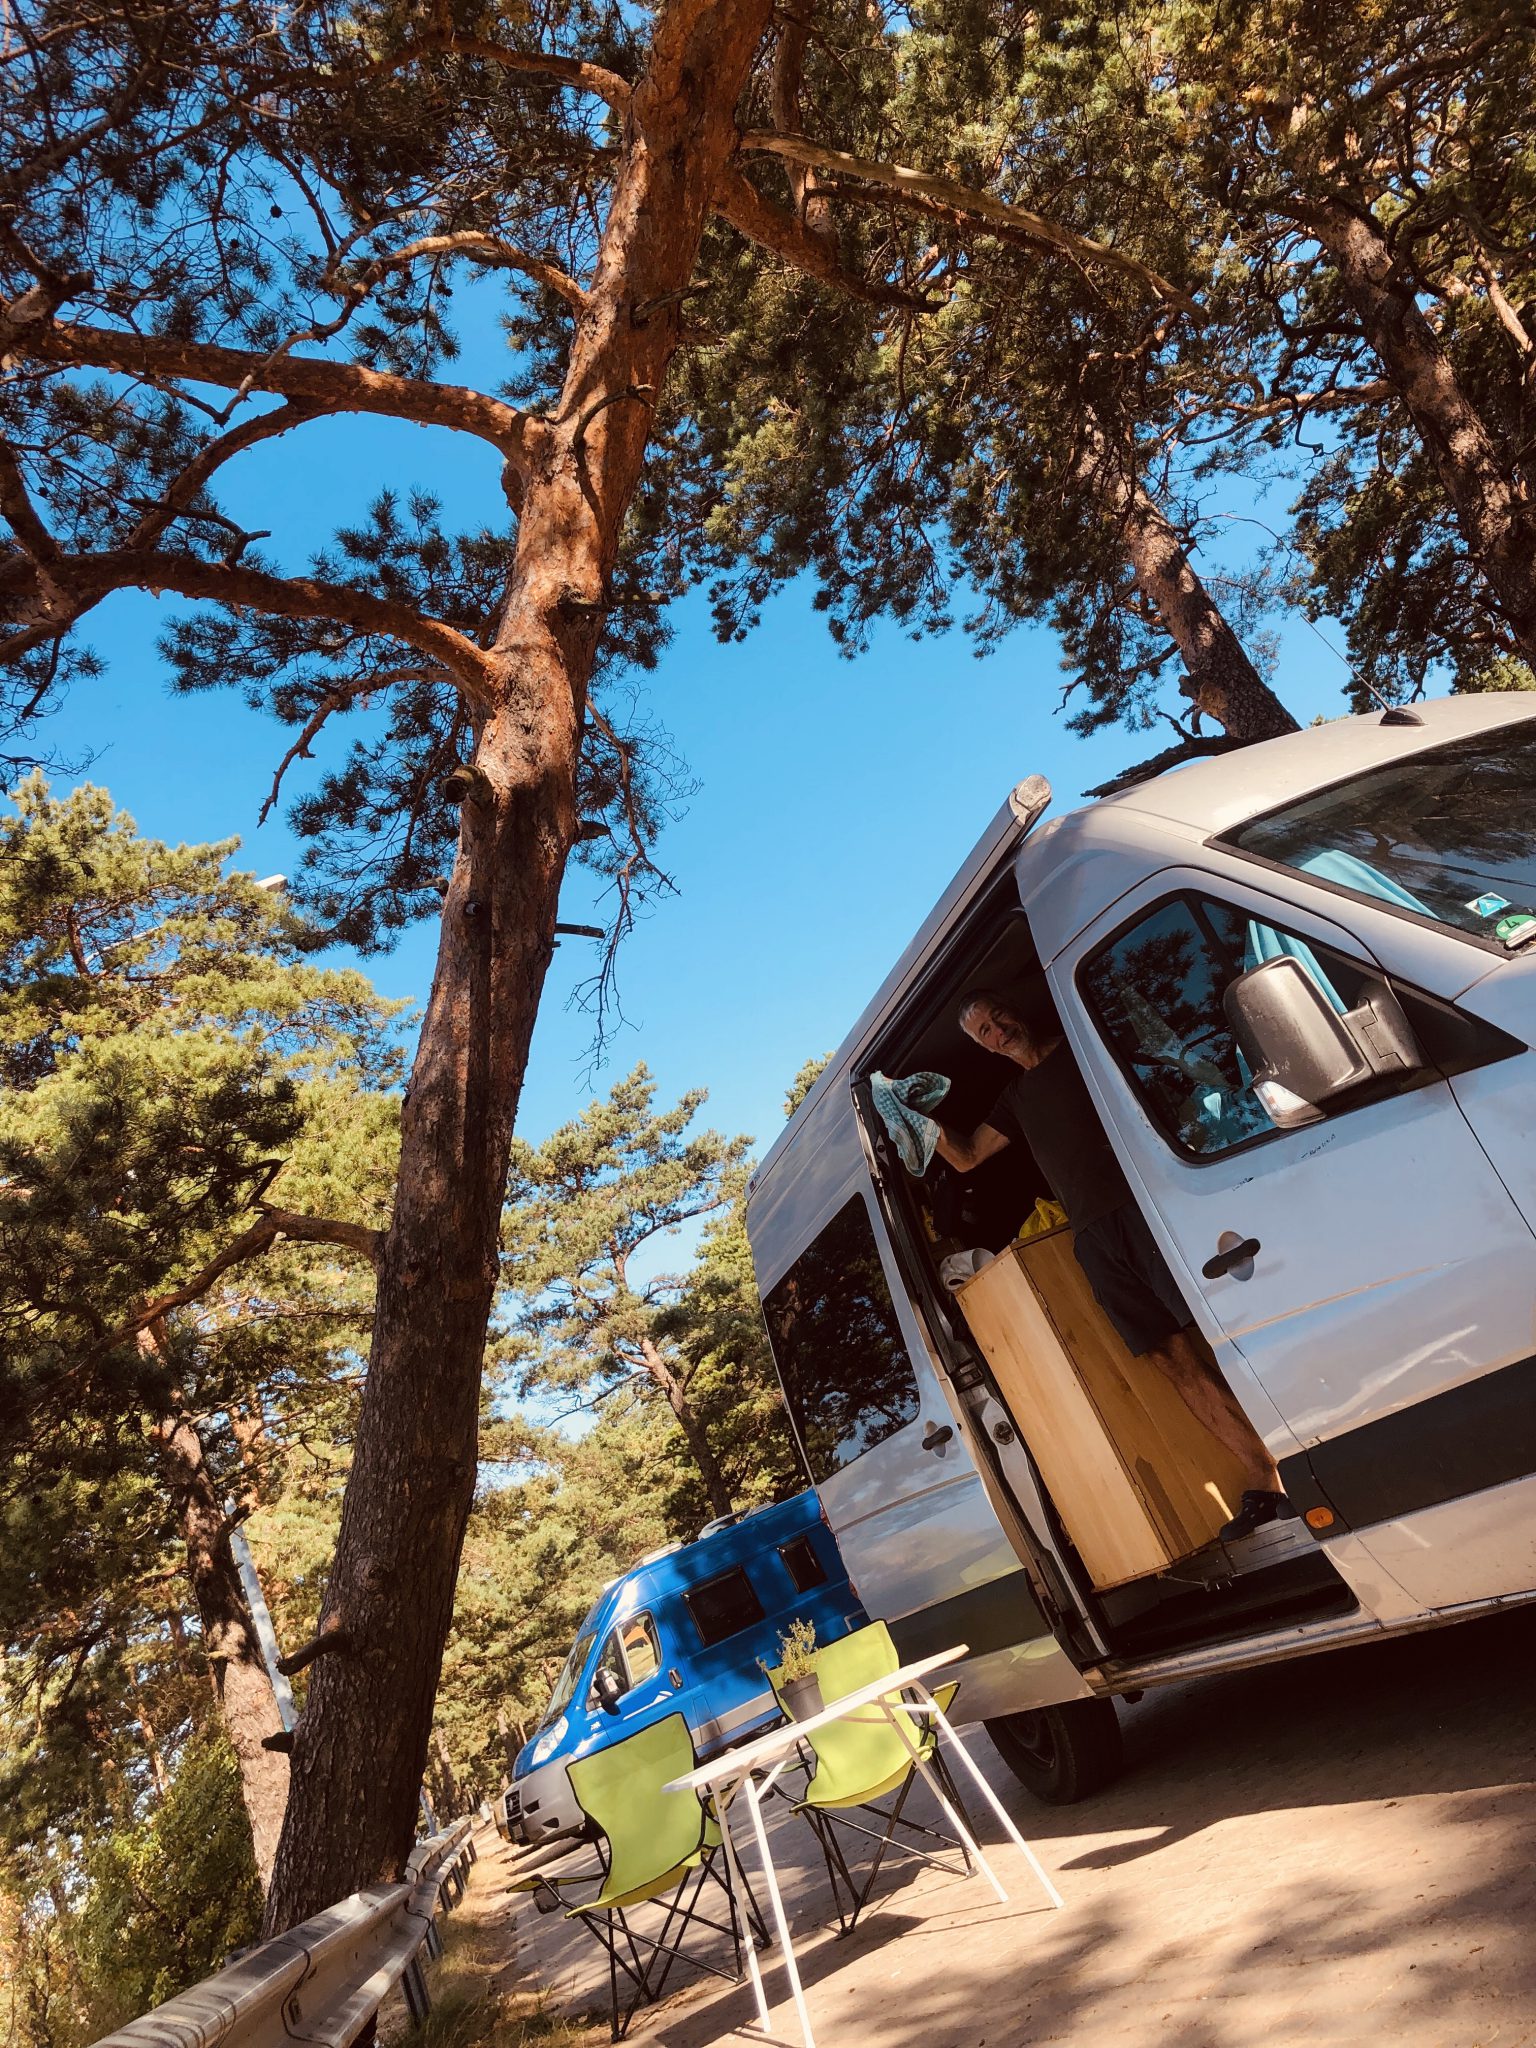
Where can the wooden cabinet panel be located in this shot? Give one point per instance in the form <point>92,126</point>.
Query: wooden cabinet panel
<point>1138,1481</point>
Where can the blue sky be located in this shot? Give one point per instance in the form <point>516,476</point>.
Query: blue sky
<point>835,800</point>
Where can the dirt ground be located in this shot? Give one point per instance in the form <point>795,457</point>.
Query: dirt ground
<point>1335,1851</point>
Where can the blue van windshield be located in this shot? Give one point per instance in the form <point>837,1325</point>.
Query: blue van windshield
<point>571,1671</point>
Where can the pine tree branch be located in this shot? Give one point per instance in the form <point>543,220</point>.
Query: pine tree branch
<point>332,1641</point>
<point>943,198</point>
<point>738,201</point>
<point>1297,404</point>
<point>575,72</point>
<point>258,1238</point>
<point>84,580</point>
<point>211,457</point>
<point>22,516</point>
<point>333,701</point>
<point>330,386</point>
<point>488,249</point>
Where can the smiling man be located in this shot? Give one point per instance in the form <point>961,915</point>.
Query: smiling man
<point>1046,1107</point>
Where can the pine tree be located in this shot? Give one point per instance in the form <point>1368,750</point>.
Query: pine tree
<point>586,1213</point>
<point>169,1050</point>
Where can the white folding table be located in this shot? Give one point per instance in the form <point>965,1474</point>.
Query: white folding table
<point>737,1770</point>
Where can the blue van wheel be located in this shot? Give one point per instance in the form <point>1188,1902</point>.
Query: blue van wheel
<point>1061,1753</point>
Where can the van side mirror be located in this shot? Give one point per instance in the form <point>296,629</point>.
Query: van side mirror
<point>1301,1052</point>
<point>608,1690</point>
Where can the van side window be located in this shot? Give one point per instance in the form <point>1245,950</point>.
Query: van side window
<point>1155,992</point>
<point>612,1660</point>
<point>805,1568</point>
<point>723,1607</point>
<point>847,1377</point>
<point>642,1648</point>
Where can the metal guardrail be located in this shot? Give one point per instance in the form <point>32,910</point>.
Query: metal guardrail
<point>322,1982</point>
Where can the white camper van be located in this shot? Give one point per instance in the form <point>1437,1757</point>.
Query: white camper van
<point>1300,982</point>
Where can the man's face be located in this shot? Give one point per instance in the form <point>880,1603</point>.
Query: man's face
<point>996,1027</point>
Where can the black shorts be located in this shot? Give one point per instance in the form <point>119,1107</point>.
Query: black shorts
<point>1130,1278</point>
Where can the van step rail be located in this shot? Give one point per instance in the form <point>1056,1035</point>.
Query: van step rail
<point>323,1981</point>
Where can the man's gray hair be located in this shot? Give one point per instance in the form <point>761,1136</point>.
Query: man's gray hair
<point>994,1000</point>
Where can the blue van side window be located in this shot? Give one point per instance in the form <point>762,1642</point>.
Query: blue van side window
<point>723,1607</point>
<point>805,1568</point>
<point>832,1324</point>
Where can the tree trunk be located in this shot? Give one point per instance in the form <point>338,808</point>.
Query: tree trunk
<point>361,1744</point>
<point>1219,679</point>
<point>1492,507</point>
<point>245,1696</point>
<point>151,1741</point>
<point>447,1784</point>
<point>699,1446</point>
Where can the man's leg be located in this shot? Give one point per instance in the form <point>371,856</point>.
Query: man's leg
<point>1208,1397</point>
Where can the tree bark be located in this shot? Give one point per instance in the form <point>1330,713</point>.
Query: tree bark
<point>361,1744</point>
<point>1492,505</point>
<point>447,1784</point>
<point>1219,679</point>
<point>246,1701</point>
<point>699,1447</point>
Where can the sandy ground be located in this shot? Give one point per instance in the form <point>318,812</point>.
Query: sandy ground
<point>1336,1851</point>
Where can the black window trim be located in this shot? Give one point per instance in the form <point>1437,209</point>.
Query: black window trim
<point>735,1571</point>
<point>867,1195</point>
<point>640,1614</point>
<point>790,1543</point>
<point>1180,1150</point>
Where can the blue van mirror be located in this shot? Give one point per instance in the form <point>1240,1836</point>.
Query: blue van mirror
<point>608,1689</point>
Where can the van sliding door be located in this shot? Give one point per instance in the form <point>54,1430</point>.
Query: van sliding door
<point>922,1545</point>
<point>995,1458</point>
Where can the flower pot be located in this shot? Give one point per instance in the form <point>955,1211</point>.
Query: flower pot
<point>801,1696</point>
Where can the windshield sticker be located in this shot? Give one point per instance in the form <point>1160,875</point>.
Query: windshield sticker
<point>1488,906</point>
<point>1518,929</point>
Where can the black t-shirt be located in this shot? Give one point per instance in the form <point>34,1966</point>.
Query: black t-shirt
<point>1049,1109</point>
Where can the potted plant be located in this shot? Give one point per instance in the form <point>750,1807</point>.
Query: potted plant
<point>799,1686</point>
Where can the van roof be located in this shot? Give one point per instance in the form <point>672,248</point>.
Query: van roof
<point>689,1564</point>
<point>1200,799</point>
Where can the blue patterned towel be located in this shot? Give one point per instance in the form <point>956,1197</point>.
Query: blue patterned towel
<point>901,1105</point>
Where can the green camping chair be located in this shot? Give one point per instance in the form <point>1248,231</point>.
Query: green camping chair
<point>657,1845</point>
<point>860,1762</point>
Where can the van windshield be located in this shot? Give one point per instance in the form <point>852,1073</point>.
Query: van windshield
<point>1449,834</point>
<point>571,1671</point>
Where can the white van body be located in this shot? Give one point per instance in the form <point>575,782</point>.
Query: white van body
<point>1382,1339</point>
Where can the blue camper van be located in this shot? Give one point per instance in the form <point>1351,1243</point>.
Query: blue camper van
<point>683,1632</point>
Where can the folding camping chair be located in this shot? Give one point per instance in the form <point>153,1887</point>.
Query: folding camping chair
<point>863,1760</point>
<point>657,1844</point>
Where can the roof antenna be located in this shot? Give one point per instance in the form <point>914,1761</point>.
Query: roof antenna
<point>1391,714</point>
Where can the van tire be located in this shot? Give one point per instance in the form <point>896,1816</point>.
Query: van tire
<point>1061,1753</point>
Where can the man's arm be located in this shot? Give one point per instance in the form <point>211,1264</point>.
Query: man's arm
<point>965,1154</point>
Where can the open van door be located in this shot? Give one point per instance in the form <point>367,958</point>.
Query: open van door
<point>1363,1275</point>
<point>898,1484</point>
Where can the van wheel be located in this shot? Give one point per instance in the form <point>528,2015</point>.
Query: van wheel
<point>1061,1753</point>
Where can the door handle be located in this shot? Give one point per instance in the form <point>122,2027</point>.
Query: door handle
<point>936,1434</point>
<point>1238,1254</point>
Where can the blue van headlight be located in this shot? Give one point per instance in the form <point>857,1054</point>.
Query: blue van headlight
<point>546,1744</point>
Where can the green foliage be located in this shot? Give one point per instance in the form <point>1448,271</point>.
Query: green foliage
<point>170,1897</point>
<point>797,1650</point>
<point>172,1052</point>
<point>586,1213</point>
<point>804,1082</point>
